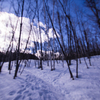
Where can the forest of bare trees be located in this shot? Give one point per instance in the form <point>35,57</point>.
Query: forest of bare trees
<point>75,32</point>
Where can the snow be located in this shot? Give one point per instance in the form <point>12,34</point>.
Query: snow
<point>48,54</point>
<point>37,84</point>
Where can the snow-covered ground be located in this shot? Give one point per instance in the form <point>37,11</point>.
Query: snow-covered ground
<point>37,84</point>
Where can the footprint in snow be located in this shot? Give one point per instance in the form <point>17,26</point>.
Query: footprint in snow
<point>32,88</point>
<point>30,98</point>
<point>18,97</point>
<point>12,93</point>
<point>29,94</point>
<point>20,91</point>
<point>26,92</point>
<point>35,89</point>
<point>22,85</point>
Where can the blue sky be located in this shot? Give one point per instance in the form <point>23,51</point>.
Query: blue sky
<point>79,4</point>
<point>6,4</point>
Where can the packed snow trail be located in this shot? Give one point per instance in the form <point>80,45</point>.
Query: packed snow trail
<point>33,88</point>
<point>35,84</point>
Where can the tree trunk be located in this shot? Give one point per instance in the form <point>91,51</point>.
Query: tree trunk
<point>18,52</point>
<point>77,68</point>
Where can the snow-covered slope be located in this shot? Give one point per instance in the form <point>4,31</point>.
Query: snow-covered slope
<point>48,55</point>
<point>36,84</point>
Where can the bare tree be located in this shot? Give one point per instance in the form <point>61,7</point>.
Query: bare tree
<point>94,6</point>
<point>58,39</point>
<point>18,49</point>
<point>38,17</point>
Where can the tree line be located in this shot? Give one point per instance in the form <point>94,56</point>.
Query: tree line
<point>76,31</point>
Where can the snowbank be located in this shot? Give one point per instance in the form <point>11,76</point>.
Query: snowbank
<point>35,84</point>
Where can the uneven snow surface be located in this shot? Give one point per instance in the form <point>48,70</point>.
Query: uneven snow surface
<point>37,84</point>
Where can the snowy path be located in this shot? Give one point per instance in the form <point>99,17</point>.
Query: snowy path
<point>37,84</point>
<point>32,88</point>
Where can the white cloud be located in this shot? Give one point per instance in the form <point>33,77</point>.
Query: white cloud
<point>9,22</point>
